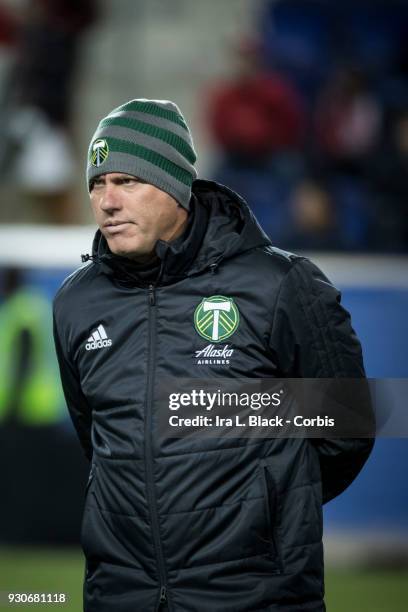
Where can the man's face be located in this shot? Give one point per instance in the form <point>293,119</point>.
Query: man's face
<point>134,215</point>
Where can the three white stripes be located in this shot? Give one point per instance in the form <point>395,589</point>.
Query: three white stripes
<point>98,334</point>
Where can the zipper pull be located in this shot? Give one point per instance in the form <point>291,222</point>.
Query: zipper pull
<point>151,295</point>
<point>163,595</point>
<point>213,268</point>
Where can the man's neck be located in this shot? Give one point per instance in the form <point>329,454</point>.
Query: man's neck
<point>150,258</point>
<point>143,259</point>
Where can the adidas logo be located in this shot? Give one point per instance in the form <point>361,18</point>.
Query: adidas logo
<point>98,339</point>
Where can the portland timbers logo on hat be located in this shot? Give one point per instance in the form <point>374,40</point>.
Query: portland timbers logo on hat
<point>99,152</point>
<point>216,318</point>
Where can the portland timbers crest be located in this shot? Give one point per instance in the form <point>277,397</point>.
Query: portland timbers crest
<point>99,152</point>
<point>216,318</point>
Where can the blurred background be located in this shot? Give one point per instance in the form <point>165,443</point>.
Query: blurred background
<point>299,105</point>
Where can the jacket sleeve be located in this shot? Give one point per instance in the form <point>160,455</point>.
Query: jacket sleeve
<point>312,337</point>
<point>78,407</point>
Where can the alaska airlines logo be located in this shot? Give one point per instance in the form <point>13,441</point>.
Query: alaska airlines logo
<point>214,355</point>
<point>216,318</point>
<point>211,351</point>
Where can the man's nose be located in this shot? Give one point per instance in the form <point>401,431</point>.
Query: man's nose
<point>110,199</point>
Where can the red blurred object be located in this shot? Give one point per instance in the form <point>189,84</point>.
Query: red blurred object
<point>8,27</point>
<point>259,113</point>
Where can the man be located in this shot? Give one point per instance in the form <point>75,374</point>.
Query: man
<point>168,523</point>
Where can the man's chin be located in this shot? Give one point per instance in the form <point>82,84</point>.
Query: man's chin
<point>130,251</point>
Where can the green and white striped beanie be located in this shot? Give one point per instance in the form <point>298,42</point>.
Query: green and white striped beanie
<point>148,139</point>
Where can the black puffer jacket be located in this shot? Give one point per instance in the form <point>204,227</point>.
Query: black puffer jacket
<point>215,527</point>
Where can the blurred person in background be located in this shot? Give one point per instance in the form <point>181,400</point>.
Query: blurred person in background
<point>257,113</point>
<point>314,223</point>
<point>31,424</point>
<point>348,122</point>
<point>387,175</point>
<point>257,120</point>
<point>28,393</point>
<point>171,524</point>
<point>35,110</point>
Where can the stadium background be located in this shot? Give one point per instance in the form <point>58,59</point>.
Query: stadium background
<point>100,54</point>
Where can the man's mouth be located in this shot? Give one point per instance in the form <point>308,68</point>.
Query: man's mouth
<point>114,227</point>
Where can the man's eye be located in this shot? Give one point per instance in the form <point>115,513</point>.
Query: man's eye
<point>96,184</point>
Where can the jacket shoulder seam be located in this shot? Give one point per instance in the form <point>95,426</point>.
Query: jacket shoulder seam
<point>75,276</point>
<point>278,294</point>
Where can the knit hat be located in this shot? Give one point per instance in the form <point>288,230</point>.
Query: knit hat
<point>148,139</point>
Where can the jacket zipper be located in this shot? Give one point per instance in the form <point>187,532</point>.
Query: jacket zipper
<point>148,447</point>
